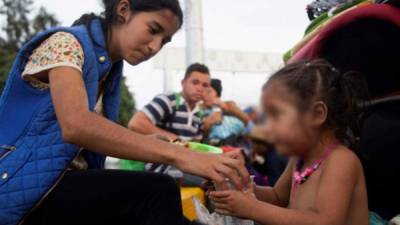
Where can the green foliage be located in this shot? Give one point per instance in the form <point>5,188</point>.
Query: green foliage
<point>127,104</point>
<point>18,29</point>
<point>6,59</point>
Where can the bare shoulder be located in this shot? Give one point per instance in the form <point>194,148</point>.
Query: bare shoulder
<point>345,159</point>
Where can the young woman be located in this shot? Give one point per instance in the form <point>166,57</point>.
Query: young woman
<point>62,99</point>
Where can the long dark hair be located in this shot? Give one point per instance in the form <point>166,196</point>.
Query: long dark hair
<point>344,94</point>
<point>109,16</point>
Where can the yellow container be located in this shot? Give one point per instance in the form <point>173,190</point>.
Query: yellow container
<point>187,204</point>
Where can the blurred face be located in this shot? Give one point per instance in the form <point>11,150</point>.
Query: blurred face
<point>285,125</point>
<point>210,97</point>
<point>195,86</point>
<point>140,36</point>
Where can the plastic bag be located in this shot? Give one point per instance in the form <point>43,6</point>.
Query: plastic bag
<point>395,220</point>
<point>375,219</point>
<point>205,217</point>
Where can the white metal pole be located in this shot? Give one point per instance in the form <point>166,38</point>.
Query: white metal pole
<point>194,32</point>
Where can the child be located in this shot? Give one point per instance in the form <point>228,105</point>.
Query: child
<point>311,110</point>
<point>224,121</point>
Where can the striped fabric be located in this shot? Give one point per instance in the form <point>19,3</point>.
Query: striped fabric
<point>164,112</point>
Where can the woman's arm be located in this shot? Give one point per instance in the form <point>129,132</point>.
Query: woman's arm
<point>82,127</point>
<point>142,124</point>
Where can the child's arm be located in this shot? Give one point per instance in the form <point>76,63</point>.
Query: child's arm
<point>279,194</point>
<point>333,198</point>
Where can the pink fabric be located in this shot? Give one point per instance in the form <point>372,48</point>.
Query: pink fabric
<point>382,12</point>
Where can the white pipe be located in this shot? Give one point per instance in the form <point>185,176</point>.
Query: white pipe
<point>194,32</point>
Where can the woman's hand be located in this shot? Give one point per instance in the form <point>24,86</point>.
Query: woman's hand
<point>234,203</point>
<point>215,167</point>
<point>161,137</point>
<point>236,154</point>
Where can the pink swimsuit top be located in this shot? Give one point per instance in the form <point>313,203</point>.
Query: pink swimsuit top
<point>301,177</point>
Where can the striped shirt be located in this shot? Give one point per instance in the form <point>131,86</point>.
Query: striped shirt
<point>164,112</point>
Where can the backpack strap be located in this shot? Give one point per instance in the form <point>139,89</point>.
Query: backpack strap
<point>177,100</point>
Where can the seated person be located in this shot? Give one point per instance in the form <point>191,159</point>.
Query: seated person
<point>252,113</point>
<point>224,121</point>
<point>176,115</point>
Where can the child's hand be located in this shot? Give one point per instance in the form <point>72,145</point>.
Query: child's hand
<point>234,203</point>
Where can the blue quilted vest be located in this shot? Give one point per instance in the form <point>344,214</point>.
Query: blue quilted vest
<point>33,154</point>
